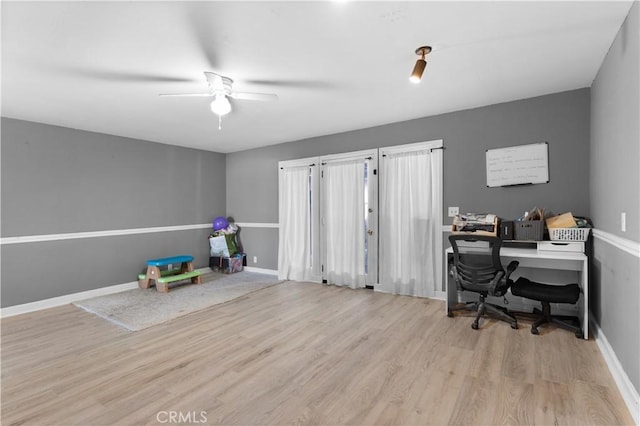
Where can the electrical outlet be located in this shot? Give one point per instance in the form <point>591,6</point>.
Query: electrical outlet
<point>453,211</point>
<point>623,222</point>
<point>255,259</point>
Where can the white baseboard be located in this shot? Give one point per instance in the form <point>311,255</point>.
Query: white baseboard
<point>70,298</point>
<point>626,388</point>
<point>64,300</point>
<point>260,270</point>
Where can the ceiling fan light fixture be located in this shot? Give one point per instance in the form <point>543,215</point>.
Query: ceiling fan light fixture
<point>220,105</point>
<point>421,63</point>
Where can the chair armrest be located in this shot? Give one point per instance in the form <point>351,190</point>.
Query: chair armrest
<point>496,287</point>
<point>456,278</point>
<point>510,268</point>
<point>501,287</point>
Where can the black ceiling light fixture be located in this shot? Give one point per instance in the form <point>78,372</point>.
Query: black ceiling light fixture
<point>421,63</point>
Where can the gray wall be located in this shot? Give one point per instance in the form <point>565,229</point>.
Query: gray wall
<point>59,180</point>
<point>615,183</point>
<point>560,119</point>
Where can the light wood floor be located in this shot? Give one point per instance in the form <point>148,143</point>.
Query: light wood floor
<point>304,354</point>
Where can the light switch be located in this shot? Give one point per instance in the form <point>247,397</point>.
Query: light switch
<point>623,222</point>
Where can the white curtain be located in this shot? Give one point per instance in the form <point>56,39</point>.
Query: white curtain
<point>294,249</point>
<point>410,221</point>
<point>344,224</point>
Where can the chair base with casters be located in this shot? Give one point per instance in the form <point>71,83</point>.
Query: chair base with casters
<point>547,294</point>
<point>477,269</point>
<point>481,308</point>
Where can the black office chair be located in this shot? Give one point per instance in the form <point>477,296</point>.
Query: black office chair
<point>547,294</point>
<point>477,268</point>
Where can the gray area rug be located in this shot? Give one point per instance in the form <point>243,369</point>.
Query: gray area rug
<point>139,309</point>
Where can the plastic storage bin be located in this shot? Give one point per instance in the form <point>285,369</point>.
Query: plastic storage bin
<point>569,234</point>
<point>528,230</point>
<point>228,265</point>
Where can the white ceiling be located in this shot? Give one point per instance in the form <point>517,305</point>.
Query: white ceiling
<point>336,66</point>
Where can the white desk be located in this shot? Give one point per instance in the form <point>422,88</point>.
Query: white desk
<point>533,258</point>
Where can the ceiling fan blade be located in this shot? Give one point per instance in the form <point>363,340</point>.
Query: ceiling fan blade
<point>245,96</point>
<point>185,94</point>
<point>301,84</point>
<point>200,18</point>
<point>128,76</point>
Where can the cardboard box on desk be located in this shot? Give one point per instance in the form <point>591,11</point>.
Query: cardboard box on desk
<point>565,220</point>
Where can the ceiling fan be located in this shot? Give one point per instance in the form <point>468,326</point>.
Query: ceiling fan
<point>220,88</point>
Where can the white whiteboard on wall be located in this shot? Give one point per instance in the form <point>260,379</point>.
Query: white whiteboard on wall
<point>518,165</point>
